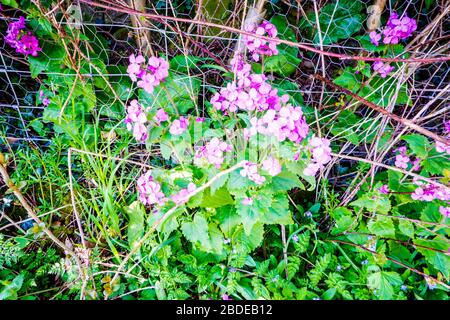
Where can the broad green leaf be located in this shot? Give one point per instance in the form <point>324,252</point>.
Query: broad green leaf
<point>418,144</point>
<point>439,260</point>
<point>384,282</point>
<point>286,181</point>
<point>278,212</point>
<point>373,202</point>
<point>406,227</point>
<point>220,198</point>
<point>382,226</point>
<point>135,222</point>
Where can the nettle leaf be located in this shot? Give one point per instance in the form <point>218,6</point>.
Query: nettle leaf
<point>344,219</point>
<point>135,222</point>
<point>278,212</point>
<point>373,202</point>
<point>382,226</point>
<point>286,181</point>
<point>439,260</point>
<point>384,283</point>
<point>249,241</point>
<point>237,183</point>
<point>207,236</point>
<point>418,144</point>
<point>253,213</point>
<point>436,162</point>
<point>220,198</point>
<point>406,227</point>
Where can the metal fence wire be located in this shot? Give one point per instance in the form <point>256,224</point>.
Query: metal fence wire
<point>120,31</point>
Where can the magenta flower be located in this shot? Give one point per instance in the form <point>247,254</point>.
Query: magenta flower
<point>398,29</point>
<point>178,126</point>
<point>445,211</point>
<point>150,75</point>
<point>384,189</point>
<point>149,190</point>
<point>375,38</point>
<point>23,42</point>
<point>382,68</point>
<point>320,155</point>
<point>136,120</point>
<point>184,194</point>
<point>430,192</point>
<point>248,201</point>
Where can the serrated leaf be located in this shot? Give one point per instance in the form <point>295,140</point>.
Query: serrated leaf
<point>135,222</point>
<point>383,282</point>
<point>382,226</point>
<point>406,227</point>
<point>418,144</point>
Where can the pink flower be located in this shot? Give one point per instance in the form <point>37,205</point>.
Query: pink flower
<point>178,126</point>
<point>430,192</point>
<point>401,161</point>
<point>257,46</point>
<point>149,190</point>
<point>398,29</point>
<point>382,68</point>
<point>250,170</point>
<point>184,194</point>
<point>161,116</point>
<point>23,42</point>
<point>213,152</point>
<point>320,155</point>
<point>151,75</point>
<point>445,211</point>
<point>375,38</point>
<point>272,166</point>
<point>247,201</point>
<point>384,189</point>
<point>199,119</point>
<point>135,121</point>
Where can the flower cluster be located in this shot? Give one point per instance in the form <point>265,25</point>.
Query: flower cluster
<point>250,92</point>
<point>151,74</point>
<point>250,170</point>
<point>402,160</point>
<point>22,41</point>
<point>286,123</point>
<point>272,166</point>
<point>442,147</point>
<point>136,120</point>
<point>149,190</point>
<point>179,126</point>
<point>430,192</point>
<point>183,195</point>
<point>45,100</point>
<point>258,46</point>
<point>213,152</point>
<point>382,68</point>
<point>445,211</point>
<point>395,30</point>
<point>321,154</point>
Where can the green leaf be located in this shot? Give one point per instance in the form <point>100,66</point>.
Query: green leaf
<point>219,199</point>
<point>382,226</point>
<point>135,222</point>
<point>439,260</point>
<point>406,227</point>
<point>11,3</point>
<point>182,63</point>
<point>9,291</point>
<point>252,213</point>
<point>286,181</point>
<point>197,230</point>
<point>373,202</point>
<point>344,219</point>
<point>177,93</point>
<point>418,144</point>
<point>338,20</point>
<point>383,282</point>
<point>50,59</point>
<point>279,212</point>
